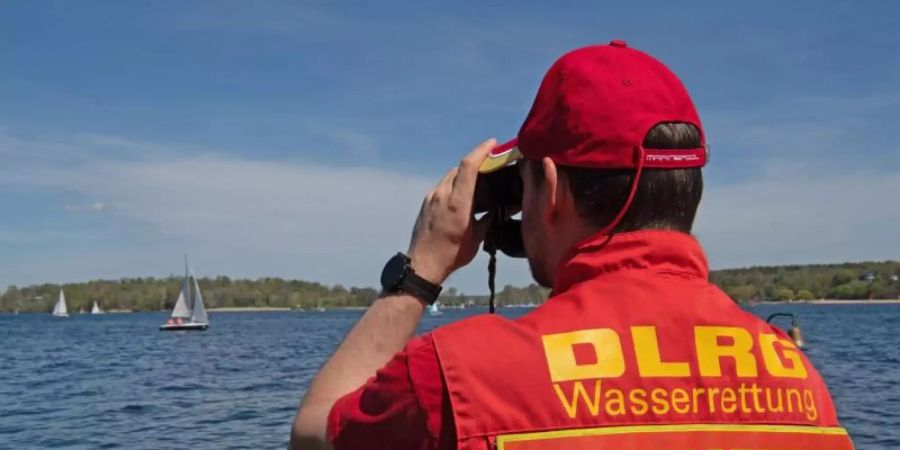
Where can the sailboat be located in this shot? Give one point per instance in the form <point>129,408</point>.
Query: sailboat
<point>96,309</point>
<point>60,309</point>
<point>434,310</point>
<point>189,306</point>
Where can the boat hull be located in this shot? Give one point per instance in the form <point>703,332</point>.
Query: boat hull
<point>184,327</point>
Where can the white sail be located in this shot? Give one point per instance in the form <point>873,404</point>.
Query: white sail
<point>60,310</point>
<point>435,309</point>
<point>199,315</point>
<point>96,308</point>
<point>181,309</point>
<point>183,306</point>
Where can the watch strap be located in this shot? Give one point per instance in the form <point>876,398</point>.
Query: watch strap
<point>420,288</point>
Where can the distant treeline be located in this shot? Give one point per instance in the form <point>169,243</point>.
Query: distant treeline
<point>850,281</point>
<point>837,281</point>
<point>154,294</point>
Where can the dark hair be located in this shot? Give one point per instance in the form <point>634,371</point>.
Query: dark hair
<point>666,199</point>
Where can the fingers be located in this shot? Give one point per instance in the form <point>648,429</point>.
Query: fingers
<point>447,180</point>
<point>458,185</point>
<point>444,188</point>
<point>464,184</point>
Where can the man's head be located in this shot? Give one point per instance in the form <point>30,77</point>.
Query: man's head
<point>561,205</point>
<point>612,143</point>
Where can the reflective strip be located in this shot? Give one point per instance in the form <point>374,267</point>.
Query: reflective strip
<point>674,437</point>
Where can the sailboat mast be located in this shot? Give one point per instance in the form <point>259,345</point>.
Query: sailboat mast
<point>188,296</point>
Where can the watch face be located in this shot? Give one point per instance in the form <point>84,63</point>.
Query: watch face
<point>394,271</point>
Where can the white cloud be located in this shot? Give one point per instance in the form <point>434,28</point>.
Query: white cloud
<point>257,204</point>
<point>235,216</point>
<point>254,218</point>
<point>822,133</point>
<point>95,207</point>
<point>335,224</point>
<point>793,217</point>
<point>806,179</point>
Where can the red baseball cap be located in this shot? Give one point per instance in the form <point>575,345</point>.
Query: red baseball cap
<point>594,108</point>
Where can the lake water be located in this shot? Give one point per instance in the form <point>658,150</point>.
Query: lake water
<point>114,381</point>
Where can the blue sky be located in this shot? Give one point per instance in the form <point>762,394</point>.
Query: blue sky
<point>296,139</point>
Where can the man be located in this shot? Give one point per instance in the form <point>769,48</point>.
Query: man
<point>633,349</point>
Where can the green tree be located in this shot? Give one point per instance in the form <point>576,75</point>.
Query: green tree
<point>743,292</point>
<point>843,276</point>
<point>855,289</point>
<point>784,294</point>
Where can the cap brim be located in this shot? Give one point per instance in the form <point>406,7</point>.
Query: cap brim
<point>501,156</point>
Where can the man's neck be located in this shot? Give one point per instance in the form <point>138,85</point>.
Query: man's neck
<point>571,234</point>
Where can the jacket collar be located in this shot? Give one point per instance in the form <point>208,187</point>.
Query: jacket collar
<point>668,252</point>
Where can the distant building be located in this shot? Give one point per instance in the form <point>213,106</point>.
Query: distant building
<point>894,277</point>
<point>868,276</point>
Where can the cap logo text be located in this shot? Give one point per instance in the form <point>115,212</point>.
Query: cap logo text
<point>672,158</point>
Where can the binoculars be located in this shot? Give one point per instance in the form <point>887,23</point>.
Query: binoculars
<point>499,193</point>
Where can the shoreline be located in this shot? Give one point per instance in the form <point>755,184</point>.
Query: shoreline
<point>886,301</point>
<point>249,309</point>
<point>280,309</point>
<point>241,309</point>
<point>224,309</point>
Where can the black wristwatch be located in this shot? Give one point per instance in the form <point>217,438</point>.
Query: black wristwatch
<point>398,276</point>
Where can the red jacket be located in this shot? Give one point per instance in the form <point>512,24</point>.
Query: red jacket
<point>635,349</point>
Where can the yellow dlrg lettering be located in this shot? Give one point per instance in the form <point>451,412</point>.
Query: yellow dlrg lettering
<point>710,351</point>
<point>649,361</point>
<point>561,356</point>
<point>774,363</point>
<point>600,354</point>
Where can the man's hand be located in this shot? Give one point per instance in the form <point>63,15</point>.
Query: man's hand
<point>446,235</point>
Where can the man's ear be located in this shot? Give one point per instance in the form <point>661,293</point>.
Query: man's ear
<point>551,188</point>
